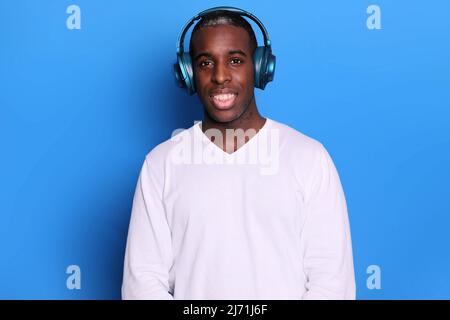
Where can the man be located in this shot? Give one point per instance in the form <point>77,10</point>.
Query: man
<point>218,214</point>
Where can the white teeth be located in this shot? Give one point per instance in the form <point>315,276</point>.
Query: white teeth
<point>224,97</point>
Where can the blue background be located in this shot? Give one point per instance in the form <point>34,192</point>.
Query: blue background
<point>80,109</point>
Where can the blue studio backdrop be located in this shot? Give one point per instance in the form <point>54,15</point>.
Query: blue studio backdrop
<point>87,90</point>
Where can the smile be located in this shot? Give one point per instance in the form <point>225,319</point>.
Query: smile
<point>223,101</point>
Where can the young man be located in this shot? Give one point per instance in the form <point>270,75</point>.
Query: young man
<point>218,214</point>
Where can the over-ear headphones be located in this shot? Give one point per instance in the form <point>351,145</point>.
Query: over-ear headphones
<point>263,59</point>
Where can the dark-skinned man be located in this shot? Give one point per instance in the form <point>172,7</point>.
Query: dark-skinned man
<point>237,206</point>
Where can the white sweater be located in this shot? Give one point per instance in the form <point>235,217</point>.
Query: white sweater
<point>268,221</point>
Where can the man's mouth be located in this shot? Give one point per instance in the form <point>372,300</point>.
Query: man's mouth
<point>223,101</point>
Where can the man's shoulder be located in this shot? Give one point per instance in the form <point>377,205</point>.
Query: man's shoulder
<point>161,151</point>
<point>296,140</point>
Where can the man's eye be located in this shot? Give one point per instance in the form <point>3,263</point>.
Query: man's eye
<point>236,61</point>
<point>205,63</point>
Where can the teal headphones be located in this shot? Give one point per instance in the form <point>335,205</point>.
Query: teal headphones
<point>263,59</point>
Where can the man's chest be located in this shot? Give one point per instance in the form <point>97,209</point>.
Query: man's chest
<point>224,196</point>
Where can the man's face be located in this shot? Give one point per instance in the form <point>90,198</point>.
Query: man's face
<point>223,71</point>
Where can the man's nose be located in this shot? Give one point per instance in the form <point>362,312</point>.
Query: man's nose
<point>221,73</point>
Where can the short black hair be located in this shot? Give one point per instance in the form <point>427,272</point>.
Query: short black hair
<point>224,17</point>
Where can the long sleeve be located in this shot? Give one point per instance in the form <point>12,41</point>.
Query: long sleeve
<point>326,239</point>
<point>148,256</point>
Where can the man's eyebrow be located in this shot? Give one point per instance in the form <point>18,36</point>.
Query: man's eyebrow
<point>237,52</point>
<point>207,54</point>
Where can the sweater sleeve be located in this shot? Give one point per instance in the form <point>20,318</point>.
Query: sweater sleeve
<point>148,254</point>
<point>325,239</point>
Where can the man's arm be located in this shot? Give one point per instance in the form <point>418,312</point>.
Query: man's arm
<point>326,240</point>
<point>148,256</point>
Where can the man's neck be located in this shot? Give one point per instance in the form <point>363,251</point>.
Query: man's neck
<point>250,121</point>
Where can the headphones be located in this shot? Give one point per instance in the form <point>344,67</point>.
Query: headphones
<point>263,59</point>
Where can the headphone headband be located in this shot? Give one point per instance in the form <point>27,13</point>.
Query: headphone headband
<point>180,41</point>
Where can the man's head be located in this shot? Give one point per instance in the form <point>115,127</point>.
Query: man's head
<point>221,48</point>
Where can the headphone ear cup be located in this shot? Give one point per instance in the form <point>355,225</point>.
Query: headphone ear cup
<point>258,57</point>
<point>179,79</point>
<point>270,67</point>
<point>264,65</point>
<point>189,79</point>
<point>184,75</point>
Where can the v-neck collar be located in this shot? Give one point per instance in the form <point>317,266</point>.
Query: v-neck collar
<point>204,137</point>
